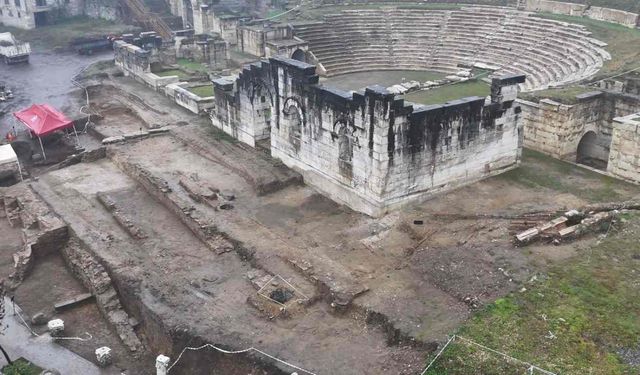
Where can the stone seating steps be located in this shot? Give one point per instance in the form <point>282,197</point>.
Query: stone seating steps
<point>548,51</point>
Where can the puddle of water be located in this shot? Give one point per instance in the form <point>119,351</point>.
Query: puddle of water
<point>45,79</point>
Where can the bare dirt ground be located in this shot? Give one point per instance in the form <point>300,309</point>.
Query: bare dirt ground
<point>376,295</point>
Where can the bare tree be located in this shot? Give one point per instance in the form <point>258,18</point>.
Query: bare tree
<point>2,314</point>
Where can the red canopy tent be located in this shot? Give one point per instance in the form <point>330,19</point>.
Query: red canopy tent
<point>43,120</point>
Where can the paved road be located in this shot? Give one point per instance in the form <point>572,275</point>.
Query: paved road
<point>46,79</point>
<point>19,342</point>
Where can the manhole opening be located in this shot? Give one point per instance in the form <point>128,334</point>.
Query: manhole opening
<point>225,206</point>
<point>281,295</point>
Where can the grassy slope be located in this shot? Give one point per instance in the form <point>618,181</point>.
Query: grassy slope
<point>626,5</point>
<point>61,34</point>
<point>623,47</point>
<point>317,13</point>
<point>591,302</point>
<point>623,42</point>
<point>542,171</point>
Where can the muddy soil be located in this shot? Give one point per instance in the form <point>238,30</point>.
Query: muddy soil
<point>50,282</point>
<point>380,294</point>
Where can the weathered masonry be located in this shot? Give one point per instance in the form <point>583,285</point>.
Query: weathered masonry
<point>370,150</point>
<point>581,131</point>
<point>624,158</point>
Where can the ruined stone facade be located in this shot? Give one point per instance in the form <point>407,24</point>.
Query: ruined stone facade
<point>203,48</point>
<point>624,159</point>
<point>28,14</point>
<point>576,131</point>
<point>620,17</point>
<point>266,40</point>
<point>370,150</point>
<point>136,63</point>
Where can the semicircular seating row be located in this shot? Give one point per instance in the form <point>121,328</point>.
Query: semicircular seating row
<point>549,52</point>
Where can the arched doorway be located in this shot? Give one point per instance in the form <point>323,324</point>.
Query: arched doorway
<point>299,55</point>
<point>261,100</point>
<point>187,14</point>
<point>345,151</point>
<point>295,127</point>
<point>593,151</point>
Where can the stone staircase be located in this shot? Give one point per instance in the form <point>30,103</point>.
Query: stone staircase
<point>150,20</point>
<point>549,53</point>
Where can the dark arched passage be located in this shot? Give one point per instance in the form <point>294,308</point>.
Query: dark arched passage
<point>593,151</point>
<point>299,55</point>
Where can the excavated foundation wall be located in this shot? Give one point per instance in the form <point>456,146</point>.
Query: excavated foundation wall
<point>45,233</point>
<point>370,150</point>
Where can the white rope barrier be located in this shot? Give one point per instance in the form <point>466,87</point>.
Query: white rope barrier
<point>17,312</point>
<point>530,367</point>
<point>438,355</point>
<point>239,352</point>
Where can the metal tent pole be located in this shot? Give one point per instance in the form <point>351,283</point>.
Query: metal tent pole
<point>76,133</point>
<point>42,148</point>
<point>20,170</point>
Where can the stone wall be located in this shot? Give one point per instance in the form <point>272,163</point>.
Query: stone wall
<point>135,62</point>
<point>203,49</point>
<point>624,159</point>
<point>183,97</point>
<point>21,13</point>
<point>370,150</point>
<point>621,17</point>
<point>227,27</point>
<point>106,9</point>
<point>254,39</point>
<point>557,129</point>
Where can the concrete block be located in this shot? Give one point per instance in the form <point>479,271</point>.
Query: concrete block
<point>55,327</point>
<point>103,356</point>
<point>162,364</point>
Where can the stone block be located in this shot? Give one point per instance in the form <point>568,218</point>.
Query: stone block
<point>39,319</point>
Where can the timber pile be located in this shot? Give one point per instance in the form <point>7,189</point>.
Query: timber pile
<point>576,223</point>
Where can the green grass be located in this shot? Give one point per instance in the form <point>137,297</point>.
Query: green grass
<point>204,91</point>
<point>623,42</point>
<point>541,171</point>
<point>451,92</point>
<point>171,72</point>
<point>192,65</point>
<point>21,367</point>
<point>319,12</point>
<point>590,303</point>
<point>563,95</point>
<point>385,78</point>
<point>627,5</point>
<point>61,34</point>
